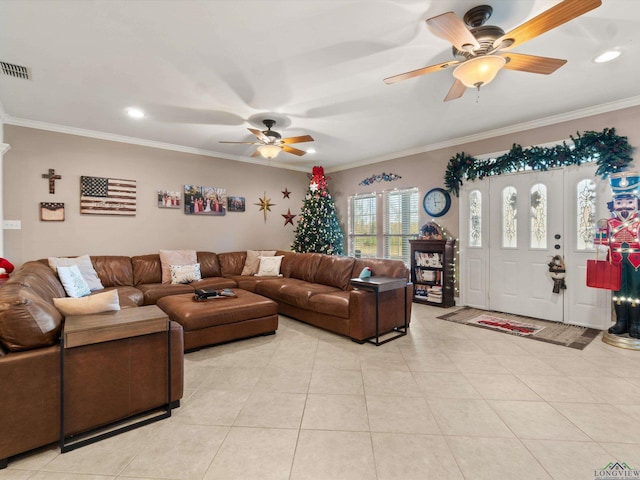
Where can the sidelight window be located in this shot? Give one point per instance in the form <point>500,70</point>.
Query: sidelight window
<point>586,218</point>
<point>509,217</point>
<point>538,216</point>
<point>475,218</point>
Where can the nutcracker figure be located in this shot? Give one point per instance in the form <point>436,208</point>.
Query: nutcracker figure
<point>619,234</point>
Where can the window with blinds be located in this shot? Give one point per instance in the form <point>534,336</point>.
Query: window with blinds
<point>363,229</point>
<point>400,222</point>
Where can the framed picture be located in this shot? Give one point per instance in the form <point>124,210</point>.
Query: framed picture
<point>51,212</point>
<point>167,199</point>
<point>107,196</point>
<point>199,200</point>
<point>235,204</point>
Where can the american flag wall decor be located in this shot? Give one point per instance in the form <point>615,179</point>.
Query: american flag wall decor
<point>107,196</point>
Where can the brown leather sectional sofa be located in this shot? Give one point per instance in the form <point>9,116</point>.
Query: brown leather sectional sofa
<point>313,288</point>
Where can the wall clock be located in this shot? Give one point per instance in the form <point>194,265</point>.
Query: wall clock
<point>437,202</point>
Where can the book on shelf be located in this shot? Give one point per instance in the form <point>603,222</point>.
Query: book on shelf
<point>428,259</point>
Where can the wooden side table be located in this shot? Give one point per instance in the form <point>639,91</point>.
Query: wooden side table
<point>94,329</point>
<point>379,285</point>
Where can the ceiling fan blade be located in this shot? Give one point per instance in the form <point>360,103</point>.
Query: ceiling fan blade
<point>246,143</point>
<point>547,20</point>
<point>420,71</point>
<point>261,136</point>
<point>301,138</point>
<point>456,91</point>
<point>532,63</point>
<point>451,28</point>
<point>295,151</point>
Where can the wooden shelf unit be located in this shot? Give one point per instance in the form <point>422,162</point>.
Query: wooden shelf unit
<point>432,270</point>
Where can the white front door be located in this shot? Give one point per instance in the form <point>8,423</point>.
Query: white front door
<point>529,210</point>
<point>522,222</point>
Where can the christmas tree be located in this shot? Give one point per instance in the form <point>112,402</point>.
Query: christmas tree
<point>318,227</point>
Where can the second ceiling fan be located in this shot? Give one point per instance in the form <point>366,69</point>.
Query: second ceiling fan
<point>270,143</point>
<point>479,49</point>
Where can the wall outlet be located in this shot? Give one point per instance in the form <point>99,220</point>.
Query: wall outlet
<point>11,224</point>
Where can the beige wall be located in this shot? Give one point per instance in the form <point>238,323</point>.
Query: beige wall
<point>34,151</point>
<point>426,170</point>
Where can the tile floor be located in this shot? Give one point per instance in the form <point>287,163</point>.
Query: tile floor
<point>445,402</point>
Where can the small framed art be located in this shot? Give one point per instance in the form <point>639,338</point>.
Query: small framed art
<point>235,204</point>
<point>51,212</point>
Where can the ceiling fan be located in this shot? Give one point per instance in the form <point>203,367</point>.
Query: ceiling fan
<point>271,143</point>
<point>479,49</point>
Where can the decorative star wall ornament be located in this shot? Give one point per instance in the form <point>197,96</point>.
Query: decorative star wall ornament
<point>286,193</point>
<point>265,205</point>
<point>288,217</point>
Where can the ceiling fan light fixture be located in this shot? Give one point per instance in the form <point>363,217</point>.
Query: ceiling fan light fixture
<point>269,151</point>
<point>479,71</point>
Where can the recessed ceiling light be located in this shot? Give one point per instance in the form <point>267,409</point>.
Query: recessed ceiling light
<point>607,56</point>
<point>135,112</point>
<point>311,150</point>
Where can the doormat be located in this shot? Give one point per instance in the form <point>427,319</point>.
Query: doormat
<point>571,336</point>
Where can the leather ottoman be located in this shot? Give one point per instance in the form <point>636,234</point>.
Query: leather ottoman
<point>220,320</point>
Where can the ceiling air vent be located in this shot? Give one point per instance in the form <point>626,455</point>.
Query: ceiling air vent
<point>17,71</point>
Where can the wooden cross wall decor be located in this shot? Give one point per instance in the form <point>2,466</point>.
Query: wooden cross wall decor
<point>52,179</point>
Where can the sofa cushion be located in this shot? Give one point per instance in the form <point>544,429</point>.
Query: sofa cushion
<point>98,303</point>
<point>232,263</point>
<point>175,257</point>
<point>334,303</point>
<point>152,292</point>
<point>73,282</point>
<point>335,271</point>
<point>292,291</point>
<point>209,264</point>
<point>252,262</point>
<point>269,266</point>
<point>113,270</point>
<point>84,265</point>
<point>302,266</point>
<point>217,283</point>
<point>185,273</point>
<point>27,321</point>
<point>38,276</point>
<point>128,296</point>
<point>146,269</point>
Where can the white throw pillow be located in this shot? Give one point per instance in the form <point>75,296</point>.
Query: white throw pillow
<point>84,265</point>
<point>252,263</point>
<point>98,303</point>
<point>185,273</point>
<point>269,266</point>
<point>175,257</point>
<point>73,282</point>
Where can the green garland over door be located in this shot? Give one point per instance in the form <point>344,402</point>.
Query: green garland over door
<point>611,152</point>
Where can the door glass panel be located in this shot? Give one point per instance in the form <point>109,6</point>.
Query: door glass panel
<point>475,219</point>
<point>586,218</point>
<point>538,216</point>
<point>509,219</point>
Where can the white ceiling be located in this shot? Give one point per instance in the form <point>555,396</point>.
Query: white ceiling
<point>204,71</point>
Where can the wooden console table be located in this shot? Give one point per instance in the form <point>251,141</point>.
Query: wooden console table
<point>94,329</point>
<point>379,285</point>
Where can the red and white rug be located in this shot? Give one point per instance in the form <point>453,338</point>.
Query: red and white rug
<point>504,325</point>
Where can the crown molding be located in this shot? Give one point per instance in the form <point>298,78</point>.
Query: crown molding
<point>519,127</point>
<point>543,122</point>
<point>21,122</point>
